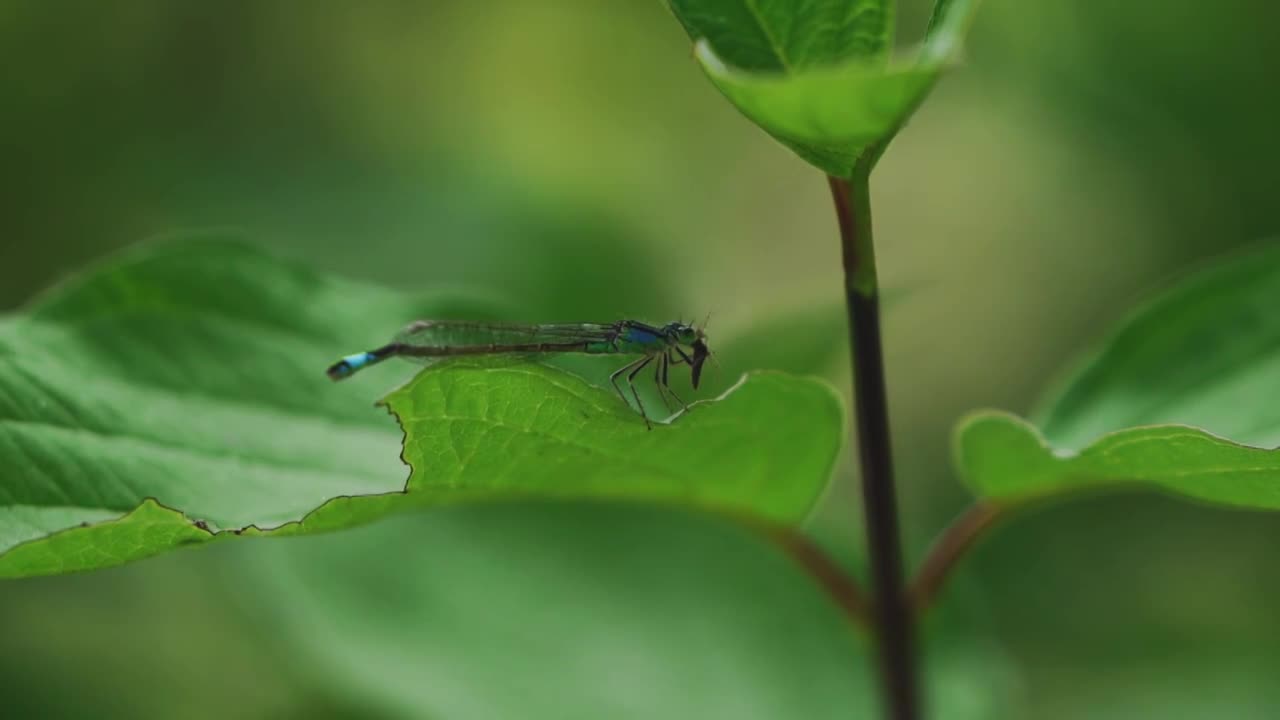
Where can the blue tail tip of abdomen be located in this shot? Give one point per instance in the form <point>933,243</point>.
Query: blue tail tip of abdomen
<point>347,366</point>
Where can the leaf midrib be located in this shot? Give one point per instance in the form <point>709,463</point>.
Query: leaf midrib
<point>764,30</point>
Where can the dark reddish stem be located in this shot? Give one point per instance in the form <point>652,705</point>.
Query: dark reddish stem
<point>891,611</point>
<point>840,585</point>
<point>947,550</point>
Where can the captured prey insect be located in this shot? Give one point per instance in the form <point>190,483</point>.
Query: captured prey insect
<point>662,346</point>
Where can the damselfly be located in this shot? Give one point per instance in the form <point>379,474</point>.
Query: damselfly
<point>671,344</point>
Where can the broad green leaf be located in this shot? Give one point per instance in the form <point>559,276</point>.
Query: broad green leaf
<point>614,611</point>
<point>832,107</point>
<point>1205,354</point>
<point>485,429</point>
<point>178,395</point>
<point>186,373</point>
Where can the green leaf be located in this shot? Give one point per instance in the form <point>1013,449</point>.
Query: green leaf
<point>487,429</point>
<point>1005,457</point>
<point>620,611</point>
<point>1205,354</point>
<point>840,98</point>
<point>186,373</point>
<point>785,36</point>
<point>177,395</point>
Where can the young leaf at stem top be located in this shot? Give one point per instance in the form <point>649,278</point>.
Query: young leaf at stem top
<point>817,76</point>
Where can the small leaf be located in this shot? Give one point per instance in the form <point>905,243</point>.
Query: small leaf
<point>841,99</point>
<point>1004,457</point>
<point>827,116</point>
<point>1205,354</point>
<point>487,429</point>
<point>178,394</point>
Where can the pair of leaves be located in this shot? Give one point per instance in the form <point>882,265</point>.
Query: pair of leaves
<point>819,76</point>
<point>1156,404</point>
<point>179,391</point>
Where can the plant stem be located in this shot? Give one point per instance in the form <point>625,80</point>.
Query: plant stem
<point>841,586</point>
<point>895,642</point>
<point>959,536</point>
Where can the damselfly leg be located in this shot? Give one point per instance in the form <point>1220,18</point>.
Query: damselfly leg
<point>660,380</point>
<point>664,385</point>
<point>631,369</point>
<point>631,383</point>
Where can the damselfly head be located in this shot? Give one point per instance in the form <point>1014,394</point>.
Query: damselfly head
<point>695,339</point>
<point>682,333</point>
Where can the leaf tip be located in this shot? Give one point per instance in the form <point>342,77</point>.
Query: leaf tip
<point>986,436</point>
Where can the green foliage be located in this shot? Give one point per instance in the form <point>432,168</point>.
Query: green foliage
<point>489,429</point>
<point>1005,458</point>
<point>179,392</point>
<point>1206,352</point>
<point>784,36</point>
<point>815,75</point>
<point>620,612</point>
<point>1203,355</point>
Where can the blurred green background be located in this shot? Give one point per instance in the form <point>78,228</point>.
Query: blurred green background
<point>568,157</point>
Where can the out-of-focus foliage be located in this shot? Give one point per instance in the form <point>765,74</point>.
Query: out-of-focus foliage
<point>1201,353</point>
<point>581,611</point>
